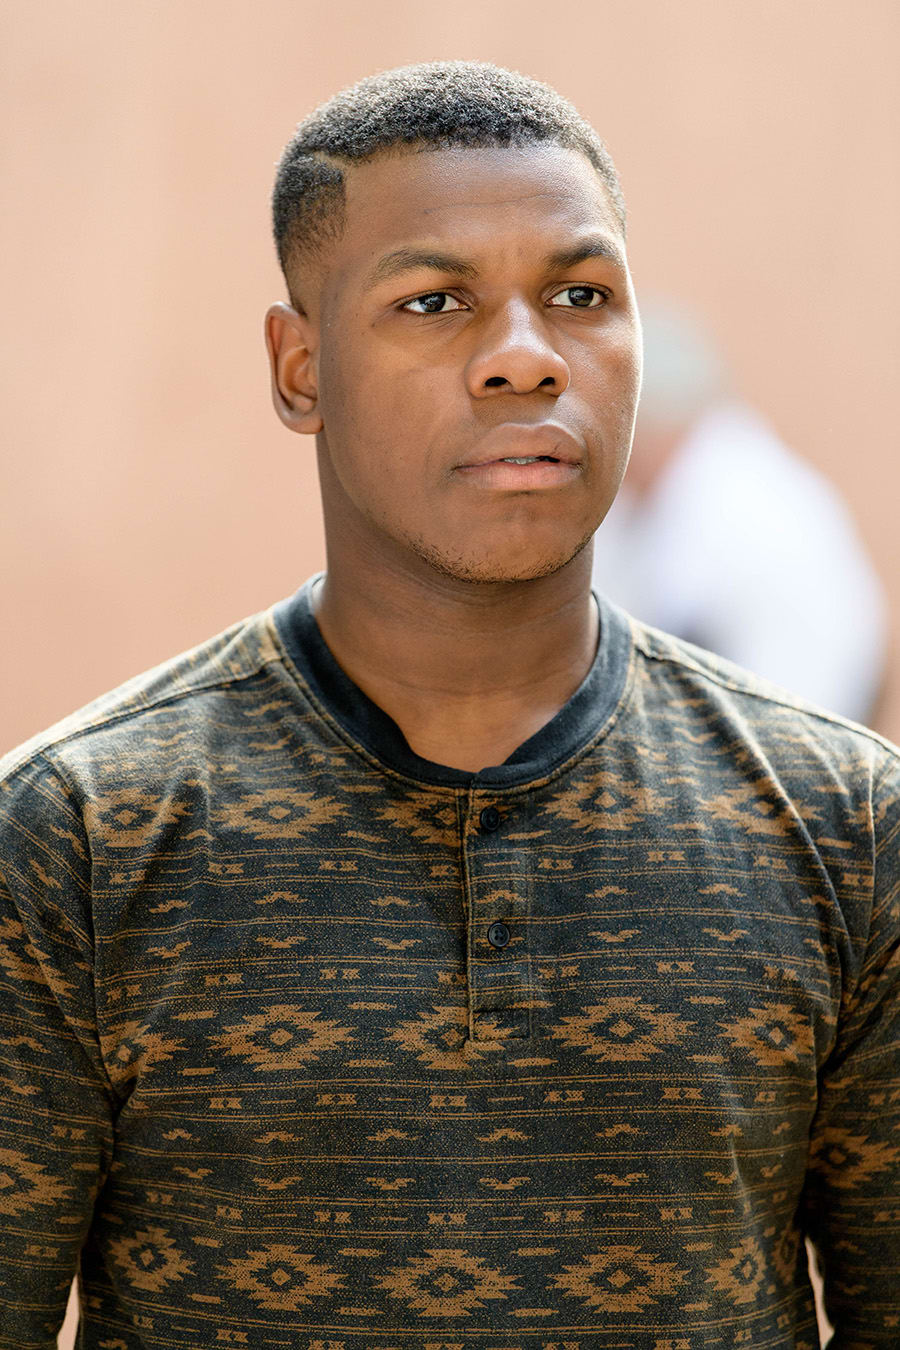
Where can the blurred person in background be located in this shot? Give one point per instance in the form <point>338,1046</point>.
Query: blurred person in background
<point>725,537</point>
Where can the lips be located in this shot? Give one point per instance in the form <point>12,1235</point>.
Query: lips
<point>543,442</point>
<point>514,457</point>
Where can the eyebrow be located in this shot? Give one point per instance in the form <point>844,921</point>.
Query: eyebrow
<point>410,259</point>
<point>597,246</point>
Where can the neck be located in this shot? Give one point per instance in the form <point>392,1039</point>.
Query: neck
<point>468,671</point>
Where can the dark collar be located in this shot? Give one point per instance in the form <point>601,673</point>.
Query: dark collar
<point>574,726</point>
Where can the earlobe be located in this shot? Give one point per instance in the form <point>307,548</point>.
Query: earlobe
<point>291,344</point>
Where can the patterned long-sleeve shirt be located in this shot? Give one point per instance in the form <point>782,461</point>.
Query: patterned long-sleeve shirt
<point>308,1042</point>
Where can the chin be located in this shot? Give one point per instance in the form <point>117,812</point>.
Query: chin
<point>493,569</point>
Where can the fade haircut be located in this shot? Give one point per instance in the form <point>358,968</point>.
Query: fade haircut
<point>433,106</point>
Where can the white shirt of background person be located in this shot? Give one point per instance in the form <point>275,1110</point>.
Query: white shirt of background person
<point>725,537</point>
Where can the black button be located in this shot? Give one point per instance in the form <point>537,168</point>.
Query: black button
<point>490,818</point>
<point>498,934</point>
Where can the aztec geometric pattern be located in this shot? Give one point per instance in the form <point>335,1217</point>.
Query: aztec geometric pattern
<point>300,1051</point>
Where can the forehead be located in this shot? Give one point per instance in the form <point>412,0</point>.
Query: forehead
<point>472,198</point>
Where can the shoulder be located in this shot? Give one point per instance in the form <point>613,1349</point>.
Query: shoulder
<point>174,694</point>
<point>690,687</point>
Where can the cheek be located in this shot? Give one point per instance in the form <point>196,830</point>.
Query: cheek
<point>370,430</point>
<point>607,386</point>
<point>635,372</point>
<point>336,385</point>
<point>359,400</point>
<point>633,355</point>
<point>624,380</point>
<point>351,414</point>
<point>373,404</point>
<point>625,351</point>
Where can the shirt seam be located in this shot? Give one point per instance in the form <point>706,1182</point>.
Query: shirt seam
<point>873,958</point>
<point>113,719</point>
<point>78,797</point>
<point>765,696</point>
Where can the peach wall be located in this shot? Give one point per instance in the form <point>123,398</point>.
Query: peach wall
<point>149,495</point>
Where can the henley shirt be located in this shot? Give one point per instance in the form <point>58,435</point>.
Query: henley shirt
<point>308,1042</point>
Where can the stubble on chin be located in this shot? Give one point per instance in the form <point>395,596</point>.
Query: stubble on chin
<point>487,569</point>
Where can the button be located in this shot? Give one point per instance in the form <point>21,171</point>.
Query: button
<point>498,934</point>
<point>490,818</point>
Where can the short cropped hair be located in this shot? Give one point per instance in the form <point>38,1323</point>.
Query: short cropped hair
<point>435,105</point>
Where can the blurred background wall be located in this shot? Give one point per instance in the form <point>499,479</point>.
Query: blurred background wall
<point>149,495</point>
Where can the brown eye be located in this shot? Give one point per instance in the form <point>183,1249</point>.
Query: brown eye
<point>435,302</point>
<point>579,297</point>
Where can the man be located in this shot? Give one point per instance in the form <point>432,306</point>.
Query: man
<point>441,959</point>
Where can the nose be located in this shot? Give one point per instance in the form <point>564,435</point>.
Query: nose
<point>514,356</point>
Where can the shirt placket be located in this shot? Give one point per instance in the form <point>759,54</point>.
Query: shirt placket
<point>498,929</point>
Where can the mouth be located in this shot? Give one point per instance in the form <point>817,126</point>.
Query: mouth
<point>531,459</point>
<point>555,458</point>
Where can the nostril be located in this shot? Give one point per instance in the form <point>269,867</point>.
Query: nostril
<point>495,381</point>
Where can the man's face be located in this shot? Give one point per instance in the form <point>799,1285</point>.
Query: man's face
<point>477,310</point>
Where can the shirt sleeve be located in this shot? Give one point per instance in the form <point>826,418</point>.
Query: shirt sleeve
<point>852,1195</point>
<point>56,1105</point>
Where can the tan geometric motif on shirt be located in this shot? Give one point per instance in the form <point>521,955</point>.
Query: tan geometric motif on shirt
<point>24,1184</point>
<point>848,1159</point>
<point>133,1050</point>
<point>622,1029</point>
<point>774,1033</point>
<point>604,800</point>
<point>740,1274</point>
<point>281,1278</point>
<point>620,1279</point>
<point>431,819</point>
<point>149,1260</point>
<point>284,1037</point>
<point>438,1038</point>
<point>280,813</point>
<point>446,1282</point>
<point>131,818</point>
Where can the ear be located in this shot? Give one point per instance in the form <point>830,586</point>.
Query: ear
<point>291,341</point>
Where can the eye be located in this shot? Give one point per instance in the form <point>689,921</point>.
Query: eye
<point>580,297</point>
<point>435,302</point>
